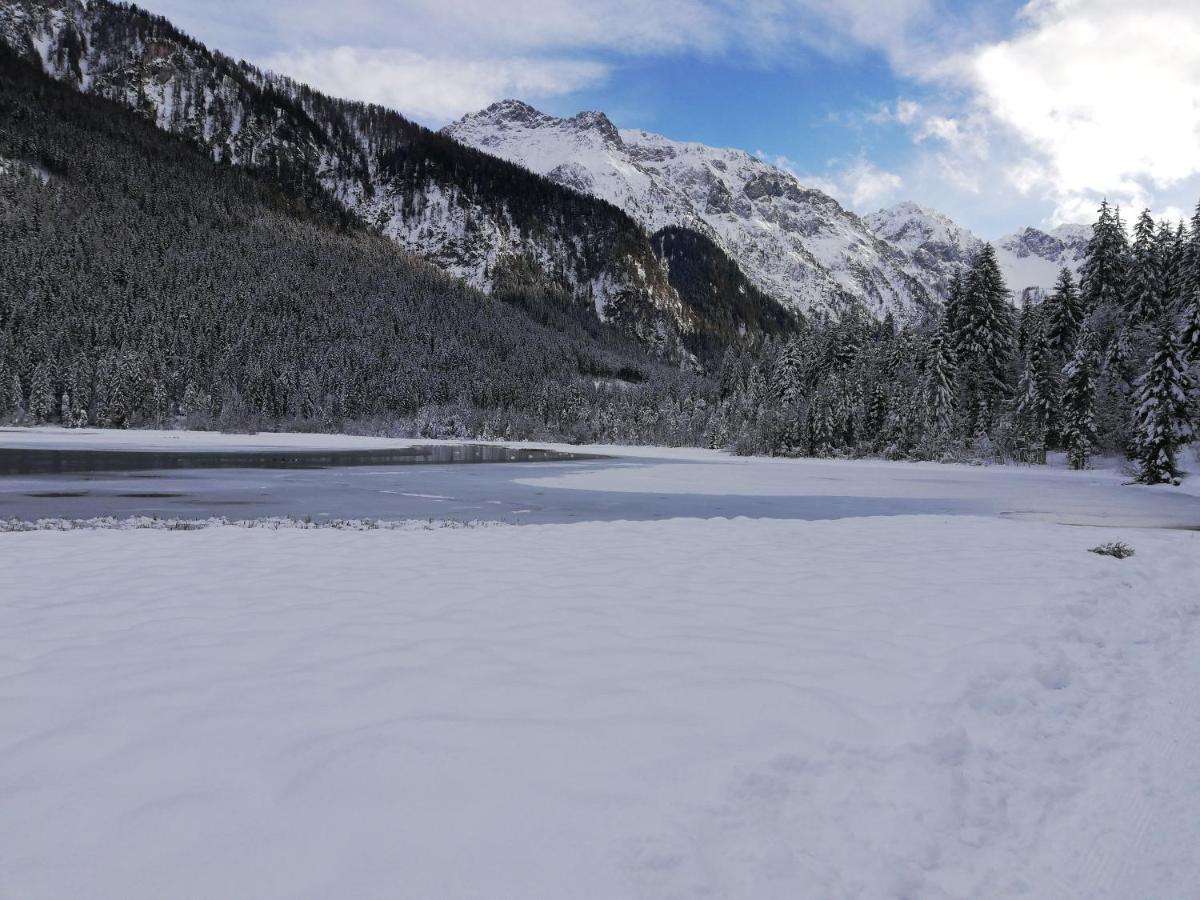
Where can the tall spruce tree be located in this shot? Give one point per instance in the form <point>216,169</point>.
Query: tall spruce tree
<point>41,394</point>
<point>789,374</point>
<point>1064,313</point>
<point>1144,301</point>
<point>15,407</point>
<point>788,388</point>
<point>1163,410</point>
<point>1190,336</point>
<point>1079,403</point>
<point>1103,274</point>
<point>1037,394</point>
<point>984,336</point>
<point>1189,280</point>
<point>939,379</point>
<point>954,299</point>
<point>1175,252</point>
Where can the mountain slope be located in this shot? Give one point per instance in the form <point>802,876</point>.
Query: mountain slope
<point>464,210</point>
<point>794,243</point>
<point>1030,259</point>
<point>139,279</point>
<point>472,214</point>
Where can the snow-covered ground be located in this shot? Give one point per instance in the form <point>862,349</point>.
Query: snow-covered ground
<point>862,707</point>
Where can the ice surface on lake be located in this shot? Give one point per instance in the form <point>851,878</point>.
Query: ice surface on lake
<point>632,484</point>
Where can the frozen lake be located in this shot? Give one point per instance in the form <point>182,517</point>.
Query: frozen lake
<point>79,476</point>
<point>416,483</point>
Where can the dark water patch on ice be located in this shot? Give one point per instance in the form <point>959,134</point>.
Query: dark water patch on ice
<point>45,462</point>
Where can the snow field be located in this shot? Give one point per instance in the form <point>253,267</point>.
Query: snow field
<point>875,707</point>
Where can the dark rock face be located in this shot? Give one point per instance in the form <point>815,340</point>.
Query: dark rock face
<point>764,185</point>
<point>599,122</point>
<point>1032,242</point>
<point>719,199</point>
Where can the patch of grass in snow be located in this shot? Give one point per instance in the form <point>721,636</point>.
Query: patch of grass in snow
<point>1118,549</point>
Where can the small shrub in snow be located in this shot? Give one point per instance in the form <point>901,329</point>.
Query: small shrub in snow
<point>1118,549</point>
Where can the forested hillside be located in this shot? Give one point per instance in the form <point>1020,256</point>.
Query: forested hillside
<point>139,280</point>
<point>470,213</point>
<point>726,305</point>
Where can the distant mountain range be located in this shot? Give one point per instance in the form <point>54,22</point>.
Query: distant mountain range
<point>796,243</point>
<point>1030,259</point>
<point>687,247</point>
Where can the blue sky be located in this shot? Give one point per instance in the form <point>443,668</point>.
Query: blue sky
<point>1001,114</point>
<point>798,110</point>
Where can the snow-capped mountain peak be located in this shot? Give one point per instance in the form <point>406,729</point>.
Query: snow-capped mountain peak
<point>935,241</point>
<point>515,112</point>
<point>1030,259</point>
<point>796,243</point>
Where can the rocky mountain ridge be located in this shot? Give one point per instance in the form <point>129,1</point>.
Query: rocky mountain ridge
<point>795,243</point>
<point>1030,259</point>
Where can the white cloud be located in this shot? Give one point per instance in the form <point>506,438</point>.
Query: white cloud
<point>1029,118</point>
<point>868,186</point>
<point>902,112</point>
<point>760,29</point>
<point>907,111</point>
<point>859,184</point>
<point>1105,94</point>
<point>433,88</point>
<point>484,50</point>
<point>940,127</point>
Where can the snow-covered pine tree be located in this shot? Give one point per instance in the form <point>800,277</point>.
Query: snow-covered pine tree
<point>875,413</point>
<point>1174,250</point>
<point>1025,323</point>
<point>16,398</point>
<point>1144,301</point>
<point>954,299</point>
<point>1103,273</point>
<point>788,377</point>
<point>984,339</point>
<point>820,428</point>
<point>1190,337</point>
<point>1079,403</point>
<point>41,394</point>
<point>1189,278</point>
<point>1162,418</point>
<point>939,379</point>
<point>1064,313</point>
<point>732,374</point>
<point>788,385</point>
<point>1037,395</point>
